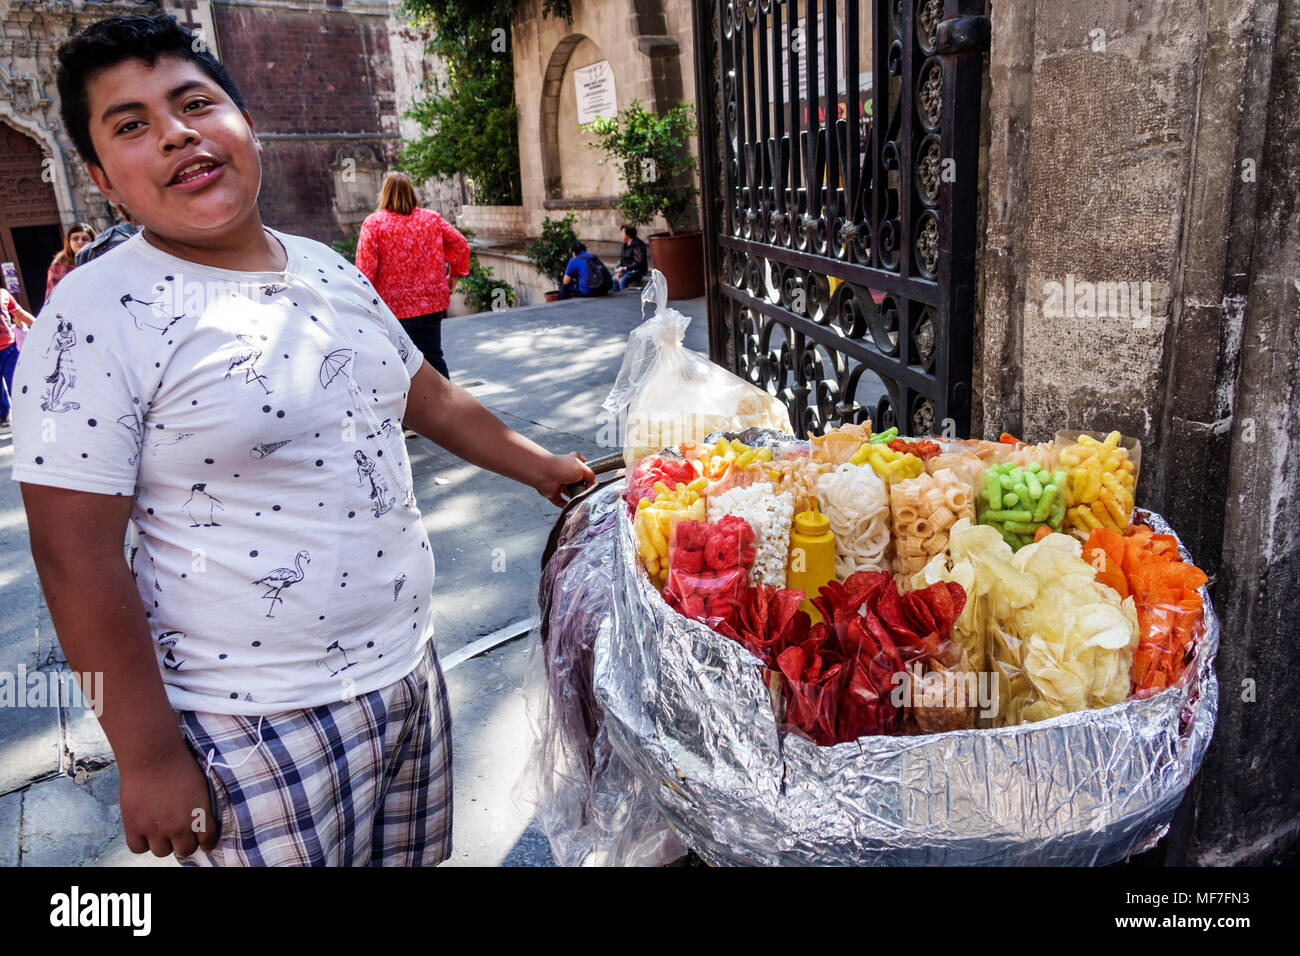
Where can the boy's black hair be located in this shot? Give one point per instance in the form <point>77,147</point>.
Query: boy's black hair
<point>630,230</point>
<point>576,247</point>
<point>109,42</point>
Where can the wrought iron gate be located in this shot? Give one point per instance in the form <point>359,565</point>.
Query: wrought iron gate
<point>841,266</point>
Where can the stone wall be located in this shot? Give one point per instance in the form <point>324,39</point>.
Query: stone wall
<point>649,45</point>
<point>1138,274</point>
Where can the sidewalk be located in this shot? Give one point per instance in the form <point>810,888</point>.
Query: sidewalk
<point>544,370</point>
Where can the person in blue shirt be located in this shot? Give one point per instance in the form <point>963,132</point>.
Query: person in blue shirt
<point>585,275</point>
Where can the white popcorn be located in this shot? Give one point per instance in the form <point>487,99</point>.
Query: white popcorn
<point>770,515</point>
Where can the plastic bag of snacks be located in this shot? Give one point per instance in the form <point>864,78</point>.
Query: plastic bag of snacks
<point>857,504</point>
<point>1023,504</point>
<point>770,515</point>
<point>654,519</point>
<point>708,566</point>
<point>666,394</point>
<point>1101,473</point>
<point>1165,589</point>
<point>924,509</point>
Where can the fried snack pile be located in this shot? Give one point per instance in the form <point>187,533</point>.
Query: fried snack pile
<point>1099,491</point>
<point>924,509</point>
<point>1165,589</point>
<point>1057,640</point>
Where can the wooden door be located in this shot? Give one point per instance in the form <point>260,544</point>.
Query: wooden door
<point>29,213</point>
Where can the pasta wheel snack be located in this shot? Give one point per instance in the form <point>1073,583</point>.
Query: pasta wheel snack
<point>924,509</point>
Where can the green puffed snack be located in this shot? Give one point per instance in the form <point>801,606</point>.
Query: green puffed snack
<point>1018,501</point>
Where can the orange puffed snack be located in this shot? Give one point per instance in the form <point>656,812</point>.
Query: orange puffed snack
<point>1164,588</point>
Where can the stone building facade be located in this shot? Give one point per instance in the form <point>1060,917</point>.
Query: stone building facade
<point>649,46</point>
<point>326,82</point>
<point>1152,144</point>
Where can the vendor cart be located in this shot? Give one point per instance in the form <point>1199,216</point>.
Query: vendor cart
<point>656,735</point>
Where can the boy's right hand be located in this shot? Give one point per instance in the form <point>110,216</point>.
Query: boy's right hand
<point>166,807</point>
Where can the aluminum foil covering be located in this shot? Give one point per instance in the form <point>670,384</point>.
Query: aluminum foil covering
<point>685,712</point>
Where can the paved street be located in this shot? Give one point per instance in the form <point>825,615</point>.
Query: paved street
<point>544,370</point>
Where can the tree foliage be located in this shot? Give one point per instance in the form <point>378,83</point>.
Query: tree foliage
<point>654,156</point>
<point>549,252</point>
<point>470,120</point>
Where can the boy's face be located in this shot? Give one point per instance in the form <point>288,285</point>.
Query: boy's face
<point>150,125</point>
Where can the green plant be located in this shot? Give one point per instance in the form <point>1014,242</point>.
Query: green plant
<point>347,247</point>
<point>549,252</point>
<point>470,119</point>
<point>481,292</point>
<point>654,154</point>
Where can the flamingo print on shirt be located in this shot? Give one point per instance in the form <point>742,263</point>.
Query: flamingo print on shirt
<point>281,579</point>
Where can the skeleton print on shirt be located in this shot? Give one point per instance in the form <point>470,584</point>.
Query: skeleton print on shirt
<point>380,500</point>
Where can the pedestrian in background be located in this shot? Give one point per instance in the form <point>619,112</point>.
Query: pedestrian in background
<point>631,260</point>
<point>75,239</point>
<point>11,314</point>
<point>110,237</point>
<point>413,257</point>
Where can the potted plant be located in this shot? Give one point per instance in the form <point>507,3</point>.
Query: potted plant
<point>549,252</point>
<point>658,170</point>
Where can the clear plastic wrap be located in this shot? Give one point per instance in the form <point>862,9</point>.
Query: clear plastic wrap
<point>666,394</point>
<point>1101,477</point>
<point>709,565</point>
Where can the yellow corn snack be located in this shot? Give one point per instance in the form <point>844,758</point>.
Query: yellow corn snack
<point>1099,492</point>
<point>655,519</point>
<point>889,465</point>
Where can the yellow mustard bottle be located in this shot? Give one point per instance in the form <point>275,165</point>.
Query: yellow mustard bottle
<point>812,556</point>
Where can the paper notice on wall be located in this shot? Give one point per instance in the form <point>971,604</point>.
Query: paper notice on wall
<point>594,86</point>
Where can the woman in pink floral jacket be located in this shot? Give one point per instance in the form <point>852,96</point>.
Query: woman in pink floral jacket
<point>412,257</point>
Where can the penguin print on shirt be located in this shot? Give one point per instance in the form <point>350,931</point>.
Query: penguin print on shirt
<point>202,505</point>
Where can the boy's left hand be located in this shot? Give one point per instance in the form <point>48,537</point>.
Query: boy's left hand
<point>560,471</point>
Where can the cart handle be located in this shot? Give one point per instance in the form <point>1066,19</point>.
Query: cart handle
<point>598,467</point>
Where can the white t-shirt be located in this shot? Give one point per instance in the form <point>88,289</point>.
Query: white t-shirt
<point>281,558</point>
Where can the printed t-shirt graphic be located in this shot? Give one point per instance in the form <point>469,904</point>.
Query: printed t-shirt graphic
<point>280,561</point>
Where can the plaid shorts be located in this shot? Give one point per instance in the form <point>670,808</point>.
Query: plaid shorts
<point>365,782</point>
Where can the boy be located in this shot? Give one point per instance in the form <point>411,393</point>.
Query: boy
<point>225,388</point>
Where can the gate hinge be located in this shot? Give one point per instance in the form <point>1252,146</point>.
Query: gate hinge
<point>963,35</point>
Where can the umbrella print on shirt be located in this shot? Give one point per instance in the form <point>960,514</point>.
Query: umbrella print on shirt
<point>379,496</point>
<point>397,585</point>
<point>169,640</point>
<point>265,448</point>
<point>273,288</point>
<point>146,315</point>
<point>201,505</point>
<point>64,376</point>
<point>245,360</point>
<point>282,578</point>
<point>336,659</point>
<point>333,364</point>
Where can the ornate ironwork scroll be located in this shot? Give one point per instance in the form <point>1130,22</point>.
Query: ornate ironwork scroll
<point>840,223</point>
